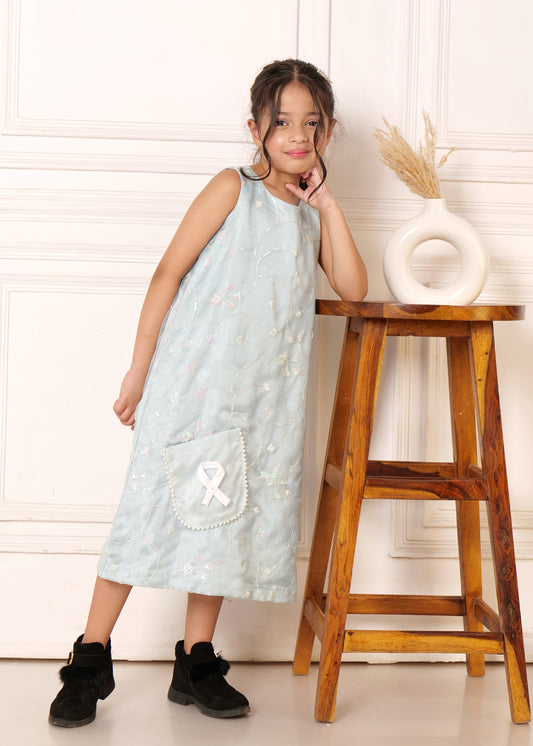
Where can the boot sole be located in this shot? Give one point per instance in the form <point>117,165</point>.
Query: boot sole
<point>181,698</point>
<point>70,723</point>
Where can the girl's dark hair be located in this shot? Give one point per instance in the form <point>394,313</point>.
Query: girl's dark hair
<point>265,95</point>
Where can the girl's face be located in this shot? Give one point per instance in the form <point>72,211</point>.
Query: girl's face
<point>291,140</point>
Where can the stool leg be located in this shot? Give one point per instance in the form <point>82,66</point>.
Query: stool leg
<point>462,407</point>
<point>499,514</point>
<point>327,504</point>
<point>316,575</point>
<point>364,392</point>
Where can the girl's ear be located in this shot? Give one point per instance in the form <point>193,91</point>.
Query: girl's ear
<point>254,131</point>
<point>324,141</point>
<point>331,128</point>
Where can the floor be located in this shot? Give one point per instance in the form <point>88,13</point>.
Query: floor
<point>426,704</point>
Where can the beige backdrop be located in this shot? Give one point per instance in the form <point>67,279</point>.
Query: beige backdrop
<point>114,114</point>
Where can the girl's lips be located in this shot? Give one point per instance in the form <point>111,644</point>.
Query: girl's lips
<point>297,153</point>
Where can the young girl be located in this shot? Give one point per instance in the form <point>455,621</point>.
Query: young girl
<point>221,361</point>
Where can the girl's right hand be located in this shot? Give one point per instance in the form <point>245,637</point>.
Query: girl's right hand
<point>130,395</point>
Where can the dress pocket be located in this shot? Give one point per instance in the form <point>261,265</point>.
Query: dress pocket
<point>208,479</point>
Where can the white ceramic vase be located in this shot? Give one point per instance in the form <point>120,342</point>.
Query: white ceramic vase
<point>436,222</point>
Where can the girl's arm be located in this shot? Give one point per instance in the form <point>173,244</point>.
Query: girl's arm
<point>202,220</point>
<point>339,257</point>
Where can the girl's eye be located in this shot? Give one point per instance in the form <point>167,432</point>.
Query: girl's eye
<point>280,123</point>
<point>313,123</point>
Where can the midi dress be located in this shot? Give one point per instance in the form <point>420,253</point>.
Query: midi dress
<point>212,494</point>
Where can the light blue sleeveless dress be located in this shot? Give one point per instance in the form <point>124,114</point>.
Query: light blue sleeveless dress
<point>212,495</point>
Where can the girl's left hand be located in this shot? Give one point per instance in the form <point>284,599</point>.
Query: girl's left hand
<point>130,395</point>
<point>321,199</point>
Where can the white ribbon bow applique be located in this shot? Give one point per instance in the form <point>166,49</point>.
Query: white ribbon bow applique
<point>212,483</point>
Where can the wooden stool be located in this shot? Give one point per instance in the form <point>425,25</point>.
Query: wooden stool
<point>349,476</point>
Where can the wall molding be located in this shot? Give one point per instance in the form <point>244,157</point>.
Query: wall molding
<point>41,541</point>
<point>510,279</point>
<point>501,218</point>
<point>502,141</point>
<point>13,123</point>
<point>314,33</point>
<point>98,206</point>
<point>31,251</point>
<point>311,20</point>
<point>123,163</point>
<point>167,208</point>
<point>26,526</point>
<point>492,173</point>
<point>75,528</point>
<point>427,88</point>
<point>426,77</point>
<point>413,539</point>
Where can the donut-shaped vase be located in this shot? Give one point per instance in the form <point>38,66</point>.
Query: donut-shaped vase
<point>436,222</point>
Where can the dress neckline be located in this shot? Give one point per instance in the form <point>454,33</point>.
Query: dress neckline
<point>249,169</point>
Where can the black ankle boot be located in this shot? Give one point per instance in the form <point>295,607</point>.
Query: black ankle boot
<point>87,677</point>
<point>199,679</point>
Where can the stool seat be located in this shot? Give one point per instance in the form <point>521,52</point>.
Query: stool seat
<point>477,473</point>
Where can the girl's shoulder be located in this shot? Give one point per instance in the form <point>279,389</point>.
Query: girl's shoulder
<point>220,195</point>
<point>230,177</point>
<point>227,183</point>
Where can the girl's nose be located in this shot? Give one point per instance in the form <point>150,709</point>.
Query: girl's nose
<point>299,135</point>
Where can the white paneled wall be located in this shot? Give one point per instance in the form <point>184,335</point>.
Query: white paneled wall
<point>113,115</point>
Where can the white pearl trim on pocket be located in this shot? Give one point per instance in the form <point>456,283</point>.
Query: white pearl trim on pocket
<point>218,523</point>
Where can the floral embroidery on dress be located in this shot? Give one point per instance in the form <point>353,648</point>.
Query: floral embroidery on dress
<point>233,354</point>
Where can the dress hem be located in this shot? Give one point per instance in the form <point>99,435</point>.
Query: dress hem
<point>257,594</point>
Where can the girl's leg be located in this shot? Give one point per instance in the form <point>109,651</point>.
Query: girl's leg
<point>198,676</point>
<point>107,603</point>
<point>88,675</point>
<point>201,619</point>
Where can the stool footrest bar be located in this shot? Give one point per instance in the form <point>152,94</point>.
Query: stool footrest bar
<point>315,616</point>
<point>395,487</point>
<point>404,488</point>
<point>381,641</point>
<point>404,604</point>
<point>442,469</point>
<point>487,616</point>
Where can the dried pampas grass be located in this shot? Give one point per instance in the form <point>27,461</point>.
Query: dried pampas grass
<point>416,169</point>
